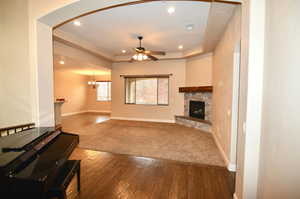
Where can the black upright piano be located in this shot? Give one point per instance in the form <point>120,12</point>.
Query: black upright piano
<point>31,161</point>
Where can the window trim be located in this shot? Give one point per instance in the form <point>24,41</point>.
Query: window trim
<point>146,77</point>
<point>108,81</point>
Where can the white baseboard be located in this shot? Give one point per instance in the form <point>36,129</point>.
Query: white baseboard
<point>72,113</point>
<point>230,166</point>
<point>142,119</point>
<point>98,111</point>
<point>86,111</point>
<point>235,196</point>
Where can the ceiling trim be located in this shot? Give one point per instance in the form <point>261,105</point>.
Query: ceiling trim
<point>77,46</point>
<point>74,45</point>
<point>237,2</point>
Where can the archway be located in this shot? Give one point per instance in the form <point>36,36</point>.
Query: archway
<point>42,83</point>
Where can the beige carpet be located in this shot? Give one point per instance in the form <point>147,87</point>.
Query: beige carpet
<point>148,139</point>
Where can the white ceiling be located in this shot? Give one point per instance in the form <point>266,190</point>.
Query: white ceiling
<point>116,29</point>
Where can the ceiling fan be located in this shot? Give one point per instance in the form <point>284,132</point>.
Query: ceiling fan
<point>142,54</point>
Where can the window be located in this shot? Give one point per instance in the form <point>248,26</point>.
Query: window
<point>103,91</point>
<point>149,90</point>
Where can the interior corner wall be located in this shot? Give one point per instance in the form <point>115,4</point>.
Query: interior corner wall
<point>199,70</point>
<point>223,62</point>
<point>73,88</point>
<point>15,99</point>
<point>148,112</point>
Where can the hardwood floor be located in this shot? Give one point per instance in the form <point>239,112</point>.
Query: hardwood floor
<point>113,176</point>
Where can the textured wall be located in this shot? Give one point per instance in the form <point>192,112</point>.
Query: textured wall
<point>73,88</point>
<point>280,155</point>
<point>199,70</point>
<point>223,62</point>
<point>15,94</point>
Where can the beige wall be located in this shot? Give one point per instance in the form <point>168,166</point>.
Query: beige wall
<point>148,112</point>
<point>15,94</point>
<point>280,154</point>
<point>73,88</point>
<point>92,103</point>
<point>223,62</point>
<point>199,70</point>
<point>79,96</point>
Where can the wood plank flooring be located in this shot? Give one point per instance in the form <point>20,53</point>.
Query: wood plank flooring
<point>113,176</point>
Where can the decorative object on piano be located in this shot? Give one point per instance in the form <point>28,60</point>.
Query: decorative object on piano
<point>15,129</point>
<point>60,99</point>
<point>93,82</point>
<point>34,164</point>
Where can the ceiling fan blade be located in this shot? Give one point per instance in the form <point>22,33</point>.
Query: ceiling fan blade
<point>152,57</point>
<point>135,49</point>
<point>155,52</point>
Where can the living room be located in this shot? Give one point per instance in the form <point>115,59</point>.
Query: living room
<point>166,105</point>
<point>189,83</point>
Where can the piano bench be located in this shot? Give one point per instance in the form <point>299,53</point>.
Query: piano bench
<point>68,171</point>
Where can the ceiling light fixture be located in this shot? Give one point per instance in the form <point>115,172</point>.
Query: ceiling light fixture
<point>93,82</point>
<point>77,23</point>
<point>180,47</point>
<point>62,62</point>
<point>171,10</point>
<point>140,57</point>
<point>189,27</point>
<point>140,54</point>
<point>123,51</point>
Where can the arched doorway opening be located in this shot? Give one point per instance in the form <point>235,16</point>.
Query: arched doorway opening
<point>41,58</point>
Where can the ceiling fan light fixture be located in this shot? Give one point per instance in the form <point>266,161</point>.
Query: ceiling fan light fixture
<point>140,57</point>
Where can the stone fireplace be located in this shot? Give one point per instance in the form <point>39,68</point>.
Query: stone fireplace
<point>197,108</point>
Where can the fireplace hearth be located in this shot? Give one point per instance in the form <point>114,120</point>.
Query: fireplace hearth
<point>197,109</point>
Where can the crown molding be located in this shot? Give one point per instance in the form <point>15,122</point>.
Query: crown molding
<point>72,41</point>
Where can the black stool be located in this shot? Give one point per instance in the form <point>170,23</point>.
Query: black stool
<point>64,178</point>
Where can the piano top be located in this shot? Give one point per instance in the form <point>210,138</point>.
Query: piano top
<point>19,141</point>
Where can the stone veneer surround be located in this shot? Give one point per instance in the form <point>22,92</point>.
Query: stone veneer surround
<point>204,96</point>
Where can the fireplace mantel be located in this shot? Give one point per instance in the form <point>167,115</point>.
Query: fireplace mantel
<point>195,89</point>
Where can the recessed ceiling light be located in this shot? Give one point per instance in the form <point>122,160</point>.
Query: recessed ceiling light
<point>61,62</point>
<point>171,10</point>
<point>77,23</point>
<point>189,27</point>
<point>123,51</point>
<point>180,47</point>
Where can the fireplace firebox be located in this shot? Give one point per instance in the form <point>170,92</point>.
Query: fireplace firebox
<point>197,109</point>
